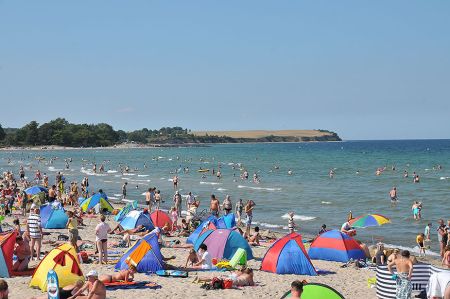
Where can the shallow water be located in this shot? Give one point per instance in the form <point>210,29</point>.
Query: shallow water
<point>309,192</point>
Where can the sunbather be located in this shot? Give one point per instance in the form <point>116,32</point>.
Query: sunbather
<point>123,275</point>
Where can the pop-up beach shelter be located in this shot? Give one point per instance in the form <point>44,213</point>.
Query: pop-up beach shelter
<point>335,246</point>
<point>125,210</point>
<point>160,219</point>
<point>97,202</point>
<point>288,256</point>
<point>135,218</point>
<point>208,224</point>
<point>223,243</point>
<point>7,242</point>
<point>226,221</point>
<point>52,217</point>
<point>316,291</point>
<point>64,261</point>
<point>145,255</point>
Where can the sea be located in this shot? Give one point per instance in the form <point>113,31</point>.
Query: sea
<point>308,191</point>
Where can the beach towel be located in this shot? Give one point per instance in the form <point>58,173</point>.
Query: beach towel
<point>120,285</point>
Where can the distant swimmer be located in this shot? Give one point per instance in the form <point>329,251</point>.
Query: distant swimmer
<point>405,174</point>
<point>331,173</point>
<point>289,172</point>
<point>393,195</point>
<point>357,172</point>
<point>94,168</point>
<point>416,179</point>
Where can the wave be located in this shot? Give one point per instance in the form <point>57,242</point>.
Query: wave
<point>120,195</point>
<point>268,225</point>
<point>326,202</point>
<point>92,173</point>
<point>129,174</point>
<point>299,217</point>
<point>259,188</point>
<point>108,181</point>
<point>52,168</point>
<point>143,175</point>
<point>221,189</point>
<point>444,178</point>
<point>210,183</point>
<point>112,197</point>
<point>414,249</point>
<point>111,171</point>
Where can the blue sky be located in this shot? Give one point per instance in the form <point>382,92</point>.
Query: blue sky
<point>365,69</point>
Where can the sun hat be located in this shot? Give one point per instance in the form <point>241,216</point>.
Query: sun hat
<point>92,273</point>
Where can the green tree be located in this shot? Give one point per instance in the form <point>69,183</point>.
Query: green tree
<point>2,133</point>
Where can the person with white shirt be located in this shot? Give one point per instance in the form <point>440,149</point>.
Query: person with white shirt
<point>205,260</point>
<point>101,239</point>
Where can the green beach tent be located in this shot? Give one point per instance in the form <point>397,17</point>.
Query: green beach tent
<point>317,291</point>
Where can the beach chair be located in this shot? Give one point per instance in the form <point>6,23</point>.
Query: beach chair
<point>239,258</point>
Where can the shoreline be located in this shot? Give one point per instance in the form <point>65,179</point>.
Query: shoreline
<point>147,146</point>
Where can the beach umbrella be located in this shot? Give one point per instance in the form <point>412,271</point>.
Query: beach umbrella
<point>369,220</point>
<point>35,190</point>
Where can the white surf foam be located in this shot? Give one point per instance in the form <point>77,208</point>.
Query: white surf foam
<point>111,171</point>
<point>299,217</point>
<point>412,249</point>
<point>259,188</point>
<point>143,175</point>
<point>107,181</point>
<point>210,183</point>
<point>444,178</point>
<point>52,168</point>
<point>326,202</point>
<point>118,195</point>
<point>129,174</point>
<point>112,197</point>
<point>221,189</point>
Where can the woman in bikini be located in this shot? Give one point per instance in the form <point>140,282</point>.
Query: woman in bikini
<point>123,275</point>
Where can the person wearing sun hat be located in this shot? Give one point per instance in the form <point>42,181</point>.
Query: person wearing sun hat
<point>95,288</point>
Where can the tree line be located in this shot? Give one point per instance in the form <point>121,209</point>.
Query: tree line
<point>62,133</point>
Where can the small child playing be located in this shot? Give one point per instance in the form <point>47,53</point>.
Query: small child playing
<point>174,216</point>
<point>419,239</point>
<point>192,258</point>
<point>291,223</point>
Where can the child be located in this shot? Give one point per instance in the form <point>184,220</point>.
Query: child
<point>419,240</point>
<point>291,223</point>
<point>174,216</point>
<point>427,232</point>
<point>192,258</point>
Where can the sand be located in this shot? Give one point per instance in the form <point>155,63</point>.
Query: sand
<point>351,282</point>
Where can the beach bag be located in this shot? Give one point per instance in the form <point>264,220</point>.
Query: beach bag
<point>217,284</point>
<point>227,284</point>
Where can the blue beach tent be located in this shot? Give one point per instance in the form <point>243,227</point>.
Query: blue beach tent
<point>135,218</point>
<point>145,255</point>
<point>52,217</point>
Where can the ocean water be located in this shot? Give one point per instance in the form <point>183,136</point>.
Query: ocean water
<point>309,192</point>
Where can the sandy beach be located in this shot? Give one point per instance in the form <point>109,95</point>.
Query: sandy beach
<point>351,282</point>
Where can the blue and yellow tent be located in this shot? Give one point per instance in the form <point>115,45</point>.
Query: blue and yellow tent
<point>145,255</point>
<point>98,202</point>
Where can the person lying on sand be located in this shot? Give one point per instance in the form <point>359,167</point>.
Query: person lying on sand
<point>96,289</point>
<point>66,292</point>
<point>123,275</point>
<point>240,278</point>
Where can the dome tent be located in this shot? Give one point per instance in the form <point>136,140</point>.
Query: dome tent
<point>223,243</point>
<point>335,246</point>
<point>288,256</point>
<point>145,255</point>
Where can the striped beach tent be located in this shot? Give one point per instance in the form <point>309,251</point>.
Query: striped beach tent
<point>386,286</point>
<point>335,246</point>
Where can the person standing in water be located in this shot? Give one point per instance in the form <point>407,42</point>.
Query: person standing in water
<point>124,190</point>
<point>393,195</point>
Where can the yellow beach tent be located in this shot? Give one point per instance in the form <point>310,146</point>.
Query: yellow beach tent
<point>64,261</point>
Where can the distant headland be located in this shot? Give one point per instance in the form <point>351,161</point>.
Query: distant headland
<point>60,132</point>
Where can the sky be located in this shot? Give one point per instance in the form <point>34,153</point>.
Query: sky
<point>364,69</point>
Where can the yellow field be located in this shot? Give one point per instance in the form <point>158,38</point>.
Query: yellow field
<point>263,133</point>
